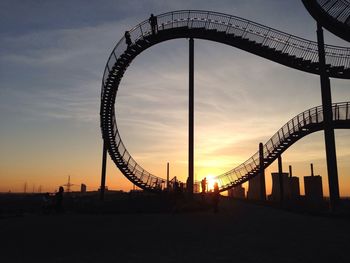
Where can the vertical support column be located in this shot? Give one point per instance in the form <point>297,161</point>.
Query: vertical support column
<point>290,171</point>
<point>191,118</point>
<point>103,173</point>
<point>167,176</point>
<point>331,156</point>
<point>262,172</point>
<point>280,177</point>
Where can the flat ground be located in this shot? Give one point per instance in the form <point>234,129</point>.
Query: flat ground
<point>240,232</point>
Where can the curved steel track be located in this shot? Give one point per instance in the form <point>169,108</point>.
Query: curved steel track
<point>252,37</point>
<point>334,15</point>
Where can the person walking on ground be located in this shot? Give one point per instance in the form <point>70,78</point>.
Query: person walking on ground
<point>204,185</point>
<point>58,205</point>
<point>127,38</point>
<point>216,197</point>
<point>154,24</point>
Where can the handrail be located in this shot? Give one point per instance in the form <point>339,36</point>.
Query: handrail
<point>337,56</point>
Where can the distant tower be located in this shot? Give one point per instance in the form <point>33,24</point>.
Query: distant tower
<point>25,187</point>
<point>68,185</point>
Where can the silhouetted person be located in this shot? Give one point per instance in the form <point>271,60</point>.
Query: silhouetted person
<point>176,187</point>
<point>216,197</point>
<point>47,204</point>
<point>154,24</point>
<point>204,185</point>
<point>127,38</point>
<point>58,205</point>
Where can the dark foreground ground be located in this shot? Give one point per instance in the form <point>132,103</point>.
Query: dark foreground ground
<point>240,232</point>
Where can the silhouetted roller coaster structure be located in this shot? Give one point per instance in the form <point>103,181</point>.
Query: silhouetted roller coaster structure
<point>334,15</point>
<point>263,41</point>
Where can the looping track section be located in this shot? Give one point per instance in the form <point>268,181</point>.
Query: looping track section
<point>263,41</point>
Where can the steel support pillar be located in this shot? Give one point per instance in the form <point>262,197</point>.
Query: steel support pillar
<point>262,172</point>
<point>103,173</point>
<point>328,124</point>
<point>290,171</point>
<point>191,118</point>
<point>167,176</point>
<point>280,177</point>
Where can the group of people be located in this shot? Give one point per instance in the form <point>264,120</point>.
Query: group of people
<point>154,28</point>
<point>216,193</point>
<point>53,203</point>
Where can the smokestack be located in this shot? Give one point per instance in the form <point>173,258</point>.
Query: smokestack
<point>290,171</point>
<point>312,169</point>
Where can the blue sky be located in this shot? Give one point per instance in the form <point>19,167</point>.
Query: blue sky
<point>52,56</point>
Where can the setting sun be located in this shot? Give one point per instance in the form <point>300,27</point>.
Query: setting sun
<point>210,182</point>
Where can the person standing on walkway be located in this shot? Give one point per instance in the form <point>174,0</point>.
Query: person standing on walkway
<point>127,38</point>
<point>154,24</point>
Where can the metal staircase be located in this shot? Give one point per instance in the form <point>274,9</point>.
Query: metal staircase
<point>334,15</point>
<point>263,41</point>
<point>301,125</point>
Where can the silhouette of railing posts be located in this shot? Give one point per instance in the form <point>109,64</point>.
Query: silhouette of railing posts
<point>328,126</point>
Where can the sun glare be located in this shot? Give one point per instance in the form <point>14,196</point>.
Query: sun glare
<point>210,182</point>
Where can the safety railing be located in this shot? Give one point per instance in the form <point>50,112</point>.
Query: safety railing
<point>266,36</point>
<point>341,111</point>
<point>338,9</point>
<point>135,169</point>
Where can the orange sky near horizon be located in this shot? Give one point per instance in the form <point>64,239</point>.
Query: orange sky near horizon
<point>90,175</point>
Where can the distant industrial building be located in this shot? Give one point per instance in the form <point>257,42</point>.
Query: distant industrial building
<point>290,184</point>
<point>83,188</point>
<point>313,187</point>
<point>254,188</point>
<point>276,186</point>
<point>237,192</point>
<point>294,187</point>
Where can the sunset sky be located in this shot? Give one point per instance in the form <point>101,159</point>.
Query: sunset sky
<point>52,57</point>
